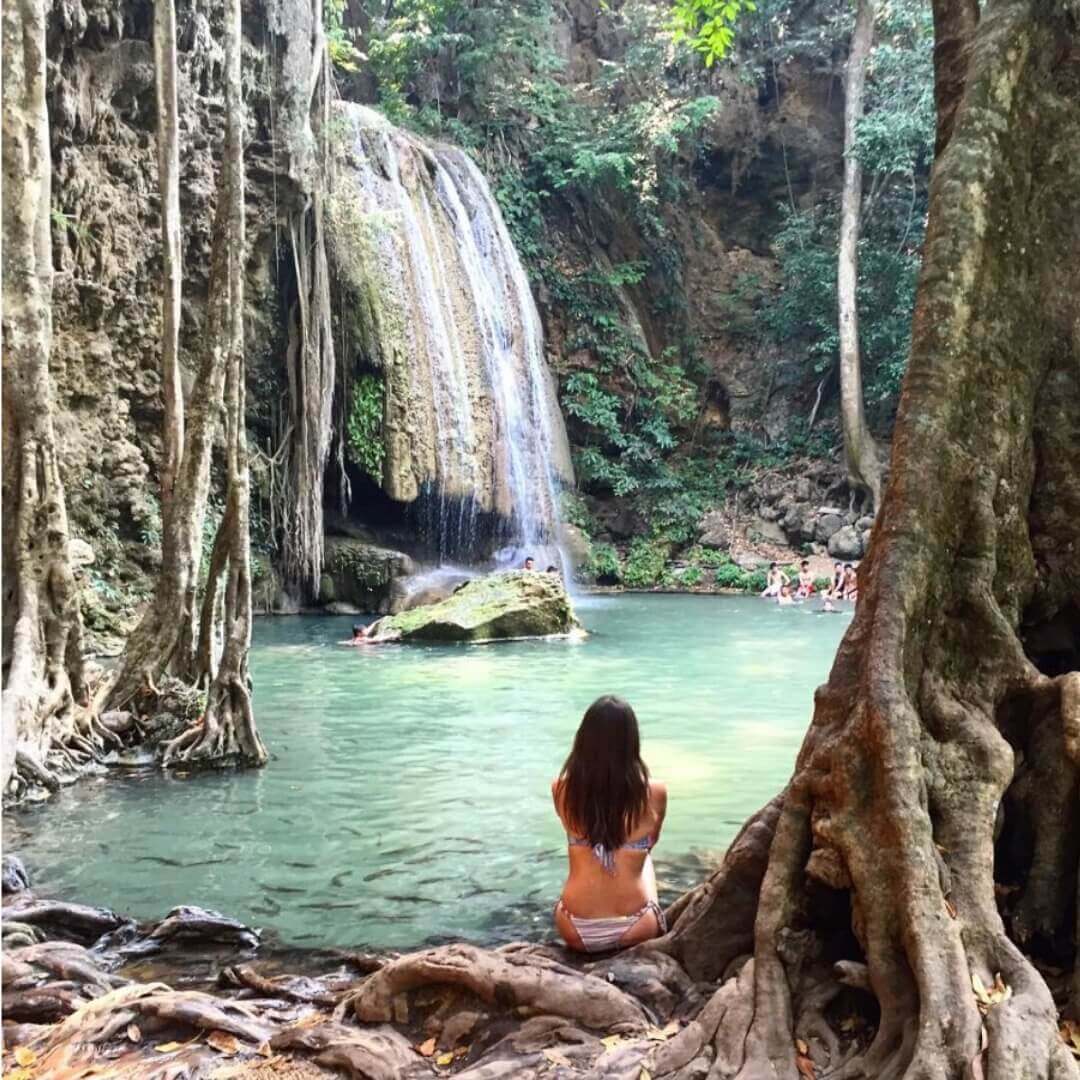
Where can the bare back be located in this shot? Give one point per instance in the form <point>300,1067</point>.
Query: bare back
<point>591,891</point>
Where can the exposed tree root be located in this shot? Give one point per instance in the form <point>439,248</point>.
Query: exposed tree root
<point>534,984</point>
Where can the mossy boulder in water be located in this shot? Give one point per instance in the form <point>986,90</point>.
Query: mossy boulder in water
<point>514,604</point>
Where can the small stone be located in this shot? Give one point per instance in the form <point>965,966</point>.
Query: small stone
<point>13,876</point>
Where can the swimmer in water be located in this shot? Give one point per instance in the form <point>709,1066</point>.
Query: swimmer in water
<point>359,636</point>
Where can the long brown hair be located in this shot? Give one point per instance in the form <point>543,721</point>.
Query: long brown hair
<point>604,785</point>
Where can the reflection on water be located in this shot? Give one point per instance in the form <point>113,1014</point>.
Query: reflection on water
<point>407,798</point>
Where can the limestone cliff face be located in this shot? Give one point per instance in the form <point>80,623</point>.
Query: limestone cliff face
<point>106,243</point>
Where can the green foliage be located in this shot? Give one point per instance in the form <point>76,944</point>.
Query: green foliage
<point>690,577</point>
<point>822,584</point>
<point>343,53</point>
<point>645,563</point>
<point>708,25</point>
<point>576,512</point>
<point>753,581</point>
<point>363,425</point>
<point>730,576</point>
<point>710,558</point>
<point>804,310</point>
<point>604,565</point>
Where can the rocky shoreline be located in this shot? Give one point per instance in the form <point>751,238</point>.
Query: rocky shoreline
<point>197,994</point>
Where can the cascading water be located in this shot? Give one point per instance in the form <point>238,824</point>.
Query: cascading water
<point>475,441</point>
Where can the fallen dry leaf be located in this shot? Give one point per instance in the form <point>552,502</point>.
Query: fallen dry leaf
<point>223,1043</point>
<point>995,995</point>
<point>800,1045</point>
<point>1070,1032</point>
<point>644,1074</point>
<point>24,1055</point>
<point>557,1058</point>
<point>264,1049</point>
<point>133,1032</point>
<point>611,1041</point>
<point>427,1047</point>
<point>168,1048</point>
<point>445,1059</point>
<point>805,1067</point>
<point>19,1074</point>
<point>950,907</point>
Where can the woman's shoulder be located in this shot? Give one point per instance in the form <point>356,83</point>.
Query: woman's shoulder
<point>657,791</point>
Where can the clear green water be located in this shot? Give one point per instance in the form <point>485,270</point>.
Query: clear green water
<point>408,795</point>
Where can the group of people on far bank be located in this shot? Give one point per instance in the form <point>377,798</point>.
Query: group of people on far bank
<point>844,585</point>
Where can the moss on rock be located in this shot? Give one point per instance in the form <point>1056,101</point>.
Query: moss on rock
<point>514,604</point>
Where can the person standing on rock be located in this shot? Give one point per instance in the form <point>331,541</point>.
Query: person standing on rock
<point>530,563</point>
<point>612,813</point>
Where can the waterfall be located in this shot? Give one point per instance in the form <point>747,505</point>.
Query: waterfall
<point>475,442</point>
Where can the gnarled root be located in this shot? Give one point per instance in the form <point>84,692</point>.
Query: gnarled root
<point>226,735</point>
<point>533,984</point>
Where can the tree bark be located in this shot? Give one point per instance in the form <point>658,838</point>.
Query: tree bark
<point>43,673</point>
<point>164,639</point>
<point>168,146</point>
<point>926,842</point>
<point>860,451</point>
<point>227,732</point>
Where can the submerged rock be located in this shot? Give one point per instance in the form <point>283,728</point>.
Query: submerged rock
<point>514,604</point>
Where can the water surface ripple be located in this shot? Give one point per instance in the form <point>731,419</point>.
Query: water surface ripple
<point>407,799</point>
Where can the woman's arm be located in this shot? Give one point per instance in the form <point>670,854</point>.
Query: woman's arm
<point>556,791</point>
<point>659,792</point>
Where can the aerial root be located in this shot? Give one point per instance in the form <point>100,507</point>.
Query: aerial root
<point>226,733</point>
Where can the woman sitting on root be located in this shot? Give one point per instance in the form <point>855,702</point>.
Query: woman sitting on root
<point>612,814</point>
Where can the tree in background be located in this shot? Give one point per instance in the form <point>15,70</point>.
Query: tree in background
<point>227,729</point>
<point>164,640</point>
<point>860,450</point>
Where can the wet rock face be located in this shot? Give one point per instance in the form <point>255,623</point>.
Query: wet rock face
<point>714,531</point>
<point>13,875</point>
<point>514,604</point>
<point>359,575</point>
<point>106,349</point>
<point>445,316</point>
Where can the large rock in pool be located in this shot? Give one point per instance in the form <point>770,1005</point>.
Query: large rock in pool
<point>515,604</point>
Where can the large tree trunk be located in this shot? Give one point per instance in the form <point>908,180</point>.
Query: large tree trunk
<point>927,842</point>
<point>860,451</point>
<point>168,140</point>
<point>164,639</point>
<point>42,644</point>
<point>227,733</point>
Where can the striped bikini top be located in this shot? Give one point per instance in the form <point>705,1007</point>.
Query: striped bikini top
<point>606,855</point>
